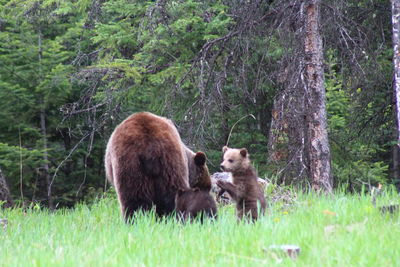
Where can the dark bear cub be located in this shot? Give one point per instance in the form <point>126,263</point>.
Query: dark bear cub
<point>199,176</point>
<point>244,190</point>
<point>194,203</point>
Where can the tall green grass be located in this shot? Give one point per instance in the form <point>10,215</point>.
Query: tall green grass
<point>339,230</point>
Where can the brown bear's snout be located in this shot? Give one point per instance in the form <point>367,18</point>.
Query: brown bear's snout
<point>222,167</point>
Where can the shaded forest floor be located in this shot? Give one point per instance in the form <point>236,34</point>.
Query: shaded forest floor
<point>341,230</point>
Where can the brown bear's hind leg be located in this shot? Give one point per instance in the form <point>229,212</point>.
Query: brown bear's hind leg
<point>165,207</point>
<point>129,207</point>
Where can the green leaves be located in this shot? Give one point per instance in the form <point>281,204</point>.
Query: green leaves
<point>354,161</point>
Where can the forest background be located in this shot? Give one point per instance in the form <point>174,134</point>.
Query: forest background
<point>70,71</point>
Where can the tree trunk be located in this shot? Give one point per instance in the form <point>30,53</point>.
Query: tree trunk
<point>5,192</point>
<point>396,174</point>
<point>313,77</point>
<point>396,63</point>
<point>287,136</point>
<point>44,131</point>
<point>298,141</point>
<point>45,155</point>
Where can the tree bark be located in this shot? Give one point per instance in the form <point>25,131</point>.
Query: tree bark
<point>45,155</point>
<point>396,63</point>
<point>5,192</point>
<point>396,174</point>
<point>288,131</point>
<point>44,131</point>
<point>298,141</point>
<point>313,77</point>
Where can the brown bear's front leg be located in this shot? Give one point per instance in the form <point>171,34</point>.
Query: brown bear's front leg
<point>229,187</point>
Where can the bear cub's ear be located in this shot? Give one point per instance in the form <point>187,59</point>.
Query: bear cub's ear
<point>200,158</point>
<point>224,149</point>
<point>243,152</point>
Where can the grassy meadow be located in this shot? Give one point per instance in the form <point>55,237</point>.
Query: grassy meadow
<point>339,230</point>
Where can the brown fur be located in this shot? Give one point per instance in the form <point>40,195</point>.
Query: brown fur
<point>195,203</point>
<point>147,163</point>
<point>244,190</point>
<point>199,176</point>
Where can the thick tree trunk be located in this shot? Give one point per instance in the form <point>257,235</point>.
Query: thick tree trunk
<point>4,192</point>
<point>396,63</point>
<point>313,76</point>
<point>298,141</point>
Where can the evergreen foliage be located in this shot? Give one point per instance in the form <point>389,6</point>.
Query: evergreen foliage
<point>204,64</point>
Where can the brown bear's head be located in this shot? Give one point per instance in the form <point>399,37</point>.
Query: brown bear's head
<point>194,203</point>
<point>199,176</point>
<point>235,159</point>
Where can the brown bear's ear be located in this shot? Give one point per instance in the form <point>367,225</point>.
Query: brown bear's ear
<point>224,149</point>
<point>200,158</point>
<point>243,152</point>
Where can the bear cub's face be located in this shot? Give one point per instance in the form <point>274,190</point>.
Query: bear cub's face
<point>194,203</point>
<point>234,159</point>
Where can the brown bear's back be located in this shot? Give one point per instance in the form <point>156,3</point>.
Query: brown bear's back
<point>147,163</point>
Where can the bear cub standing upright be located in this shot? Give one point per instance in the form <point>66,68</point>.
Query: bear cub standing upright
<point>148,163</point>
<point>245,190</point>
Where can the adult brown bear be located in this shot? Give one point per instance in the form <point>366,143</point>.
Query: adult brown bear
<point>148,163</point>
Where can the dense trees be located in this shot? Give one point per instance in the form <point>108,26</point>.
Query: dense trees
<point>71,70</point>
